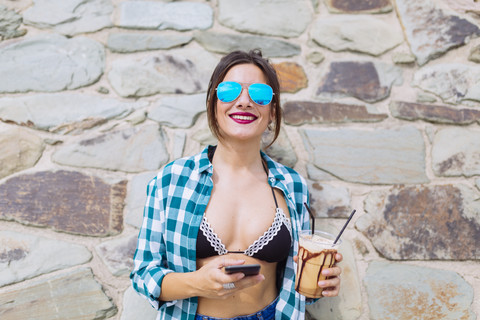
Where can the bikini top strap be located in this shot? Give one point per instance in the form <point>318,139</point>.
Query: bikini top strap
<point>274,198</point>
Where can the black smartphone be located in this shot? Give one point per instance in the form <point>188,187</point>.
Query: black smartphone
<point>246,269</point>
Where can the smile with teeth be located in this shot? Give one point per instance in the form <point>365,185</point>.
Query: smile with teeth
<point>239,117</point>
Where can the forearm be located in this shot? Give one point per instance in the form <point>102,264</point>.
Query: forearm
<point>178,286</point>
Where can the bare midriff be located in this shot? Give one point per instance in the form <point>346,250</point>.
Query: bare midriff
<point>246,301</point>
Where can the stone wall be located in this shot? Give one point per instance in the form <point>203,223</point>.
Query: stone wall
<point>381,105</point>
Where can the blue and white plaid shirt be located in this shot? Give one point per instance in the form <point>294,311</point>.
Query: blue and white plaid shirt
<point>176,201</point>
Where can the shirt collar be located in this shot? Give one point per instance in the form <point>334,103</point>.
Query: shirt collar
<point>274,169</point>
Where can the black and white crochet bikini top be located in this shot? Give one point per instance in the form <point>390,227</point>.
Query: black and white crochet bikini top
<point>272,246</point>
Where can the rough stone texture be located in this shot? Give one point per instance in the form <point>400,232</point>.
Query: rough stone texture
<point>64,201</point>
<point>356,33</point>
<point>50,63</point>
<point>163,73</point>
<point>163,15</point>
<point>383,156</point>
<point>19,149</point>
<point>178,111</point>
<point>453,83</point>
<point>135,307</point>
<point>430,31</point>
<point>425,293</point>
<point>136,149</point>
<point>226,42</point>
<point>290,19</point>
<point>64,112</point>
<point>74,295</point>
<point>438,222</point>
<point>328,201</point>
<point>291,76</point>
<point>302,112</point>
<point>456,152</point>
<point>358,6</point>
<point>282,150</point>
<point>117,254</point>
<point>475,54</point>
<point>367,81</point>
<point>315,57</point>
<point>136,196</point>
<point>24,256</point>
<point>403,58</point>
<point>464,6</point>
<point>133,42</point>
<point>433,113</point>
<point>348,304</point>
<point>70,17</point>
<point>10,21</point>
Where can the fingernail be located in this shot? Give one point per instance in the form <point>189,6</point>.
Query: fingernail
<point>322,284</point>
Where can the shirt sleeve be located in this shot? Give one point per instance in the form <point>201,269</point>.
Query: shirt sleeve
<point>150,264</point>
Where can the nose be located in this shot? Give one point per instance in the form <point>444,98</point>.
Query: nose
<point>244,99</point>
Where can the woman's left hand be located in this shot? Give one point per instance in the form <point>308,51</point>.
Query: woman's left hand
<point>331,286</point>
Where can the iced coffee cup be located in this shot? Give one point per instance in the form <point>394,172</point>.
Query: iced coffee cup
<point>316,252</point>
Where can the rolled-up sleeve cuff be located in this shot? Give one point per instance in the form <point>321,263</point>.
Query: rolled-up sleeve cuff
<point>153,287</point>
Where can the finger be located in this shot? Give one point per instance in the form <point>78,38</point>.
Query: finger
<point>230,262</point>
<point>249,281</point>
<point>332,272</point>
<point>333,282</point>
<point>295,258</point>
<point>338,257</point>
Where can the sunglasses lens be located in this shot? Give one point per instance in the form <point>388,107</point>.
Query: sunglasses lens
<point>228,91</point>
<point>260,93</point>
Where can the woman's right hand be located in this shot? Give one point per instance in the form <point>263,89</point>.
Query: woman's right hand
<point>211,278</point>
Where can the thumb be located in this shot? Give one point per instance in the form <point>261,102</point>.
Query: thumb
<point>231,262</point>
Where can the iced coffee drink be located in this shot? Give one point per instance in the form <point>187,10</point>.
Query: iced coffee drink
<point>316,252</point>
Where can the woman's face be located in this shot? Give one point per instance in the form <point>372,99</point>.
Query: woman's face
<point>243,119</point>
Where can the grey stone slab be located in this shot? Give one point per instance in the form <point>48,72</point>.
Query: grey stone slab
<point>455,152</point>
<point>10,21</point>
<point>291,18</point>
<point>132,42</point>
<point>342,80</point>
<point>136,149</point>
<point>19,149</point>
<point>399,291</point>
<point>65,201</point>
<point>117,254</point>
<point>136,307</point>
<point>282,149</point>
<point>304,112</point>
<point>348,304</point>
<point>24,256</point>
<point>184,71</point>
<point>50,63</point>
<point>181,15</point>
<point>60,111</point>
<point>328,201</point>
<point>356,6</point>
<point>434,113</point>
<point>432,31</point>
<point>356,33</point>
<point>438,222</point>
<point>225,43</point>
<point>68,296</point>
<point>70,17</point>
<point>178,111</point>
<point>381,156</point>
<point>136,196</point>
<point>453,82</point>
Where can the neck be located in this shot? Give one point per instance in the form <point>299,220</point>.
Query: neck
<point>238,156</point>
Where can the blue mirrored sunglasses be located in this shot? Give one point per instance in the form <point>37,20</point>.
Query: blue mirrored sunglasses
<point>260,93</point>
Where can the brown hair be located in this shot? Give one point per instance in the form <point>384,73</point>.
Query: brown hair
<point>226,63</point>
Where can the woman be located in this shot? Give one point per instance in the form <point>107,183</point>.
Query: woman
<point>229,205</point>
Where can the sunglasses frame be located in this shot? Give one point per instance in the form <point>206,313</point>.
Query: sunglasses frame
<point>248,85</point>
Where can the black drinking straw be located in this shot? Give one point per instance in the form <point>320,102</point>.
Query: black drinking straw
<point>311,216</point>
<point>344,226</point>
